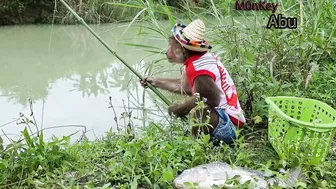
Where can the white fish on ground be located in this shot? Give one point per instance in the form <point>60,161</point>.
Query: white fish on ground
<point>217,173</point>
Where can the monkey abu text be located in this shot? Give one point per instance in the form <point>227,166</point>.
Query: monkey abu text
<point>278,22</point>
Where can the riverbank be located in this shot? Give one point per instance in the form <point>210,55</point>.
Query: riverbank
<point>92,11</point>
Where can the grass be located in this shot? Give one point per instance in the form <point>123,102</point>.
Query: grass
<point>150,158</point>
<point>263,62</point>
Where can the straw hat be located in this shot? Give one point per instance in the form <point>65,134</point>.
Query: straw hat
<point>191,36</point>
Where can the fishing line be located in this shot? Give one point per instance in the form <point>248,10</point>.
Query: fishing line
<point>9,122</point>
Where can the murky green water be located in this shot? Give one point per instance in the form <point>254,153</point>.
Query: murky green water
<point>70,75</point>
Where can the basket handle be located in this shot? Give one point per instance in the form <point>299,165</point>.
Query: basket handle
<point>311,125</point>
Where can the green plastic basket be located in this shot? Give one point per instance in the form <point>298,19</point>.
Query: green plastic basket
<point>300,129</point>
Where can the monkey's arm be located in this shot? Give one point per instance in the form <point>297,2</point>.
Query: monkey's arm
<point>206,87</point>
<point>173,85</point>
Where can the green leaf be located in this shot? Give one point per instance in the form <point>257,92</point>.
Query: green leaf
<point>159,128</point>
<point>189,184</point>
<point>324,183</point>
<point>192,152</point>
<point>206,138</point>
<point>142,46</point>
<point>1,144</point>
<point>268,173</point>
<point>168,176</point>
<point>236,177</point>
<point>148,180</point>
<point>156,186</point>
<point>134,184</point>
<point>257,119</point>
<point>301,184</point>
<point>2,166</point>
<point>27,137</point>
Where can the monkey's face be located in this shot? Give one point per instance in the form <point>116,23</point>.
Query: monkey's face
<point>175,53</point>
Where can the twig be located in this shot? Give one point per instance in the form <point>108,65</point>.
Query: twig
<point>42,113</point>
<point>164,115</point>
<point>123,101</point>
<point>6,136</point>
<point>32,114</point>
<point>115,115</point>
<point>94,134</point>
<point>25,121</point>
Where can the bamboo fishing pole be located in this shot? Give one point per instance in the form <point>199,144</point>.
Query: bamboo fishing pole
<point>81,20</point>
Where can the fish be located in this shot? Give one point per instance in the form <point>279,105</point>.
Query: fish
<point>217,173</point>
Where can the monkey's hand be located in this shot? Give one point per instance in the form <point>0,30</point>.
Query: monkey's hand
<point>150,79</point>
<point>183,108</point>
<point>173,109</point>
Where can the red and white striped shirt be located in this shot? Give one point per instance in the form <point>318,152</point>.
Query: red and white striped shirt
<point>209,64</point>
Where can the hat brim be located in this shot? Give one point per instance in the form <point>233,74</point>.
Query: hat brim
<point>199,46</point>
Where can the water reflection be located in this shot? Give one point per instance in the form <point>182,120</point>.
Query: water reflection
<point>70,74</point>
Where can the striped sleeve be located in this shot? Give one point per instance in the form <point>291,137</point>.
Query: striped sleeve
<point>204,66</point>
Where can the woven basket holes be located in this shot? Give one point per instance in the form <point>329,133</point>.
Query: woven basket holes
<point>283,128</point>
<point>286,106</point>
<point>318,153</point>
<point>299,132</point>
<point>321,145</point>
<point>298,115</point>
<point>326,112</point>
<point>312,117</point>
<point>299,107</point>
<point>309,135</point>
<point>299,112</point>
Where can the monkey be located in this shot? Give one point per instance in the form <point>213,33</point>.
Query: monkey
<point>204,77</point>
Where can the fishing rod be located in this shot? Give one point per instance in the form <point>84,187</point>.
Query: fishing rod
<point>81,20</point>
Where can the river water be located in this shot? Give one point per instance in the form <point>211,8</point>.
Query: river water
<point>70,75</point>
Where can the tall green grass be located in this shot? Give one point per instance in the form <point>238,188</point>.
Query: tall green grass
<point>148,160</point>
<point>263,62</point>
